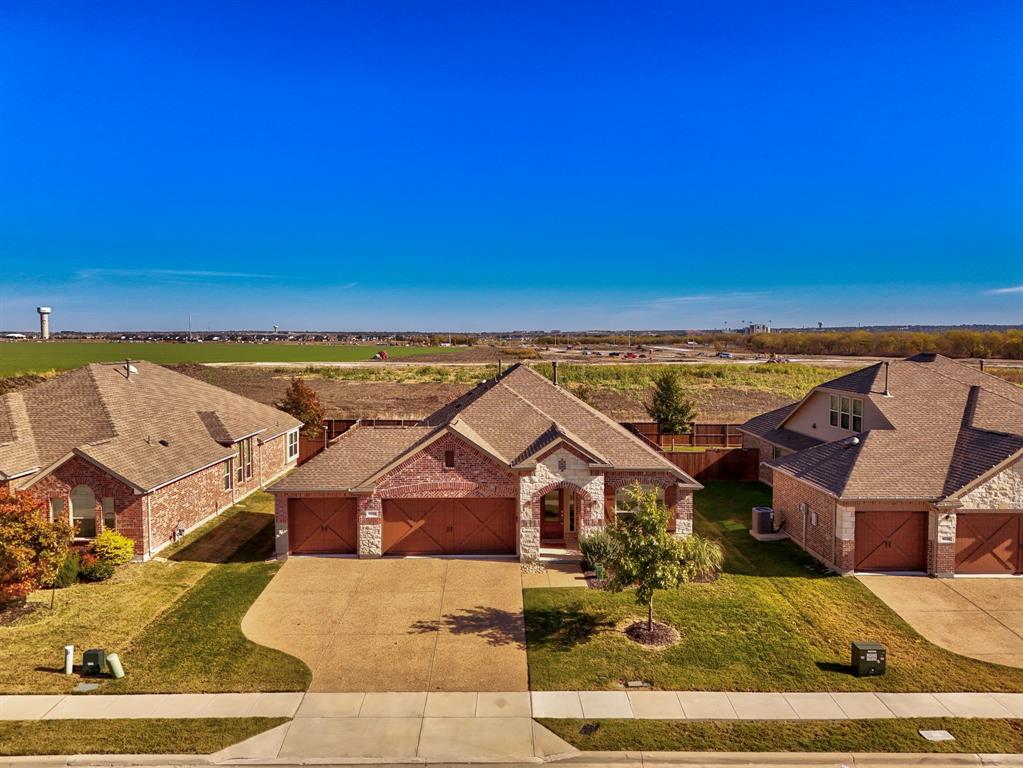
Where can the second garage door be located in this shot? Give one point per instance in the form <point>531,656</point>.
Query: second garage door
<point>449,526</point>
<point>989,542</point>
<point>891,541</point>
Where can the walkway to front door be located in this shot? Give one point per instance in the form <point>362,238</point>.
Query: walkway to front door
<point>559,517</point>
<point>417,624</point>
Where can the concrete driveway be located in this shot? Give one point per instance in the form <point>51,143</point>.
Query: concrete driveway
<point>977,617</point>
<point>426,624</point>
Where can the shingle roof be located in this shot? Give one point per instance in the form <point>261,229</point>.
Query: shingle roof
<point>119,422</point>
<point>950,424</point>
<point>510,417</point>
<point>766,426</point>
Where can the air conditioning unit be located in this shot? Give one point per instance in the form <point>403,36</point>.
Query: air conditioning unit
<point>763,520</point>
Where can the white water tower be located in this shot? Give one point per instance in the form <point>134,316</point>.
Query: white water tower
<point>44,322</point>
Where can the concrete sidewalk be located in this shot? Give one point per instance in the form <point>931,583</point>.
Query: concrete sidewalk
<point>651,705</point>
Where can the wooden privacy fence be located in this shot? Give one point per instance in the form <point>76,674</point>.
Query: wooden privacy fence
<point>718,463</point>
<point>702,435</point>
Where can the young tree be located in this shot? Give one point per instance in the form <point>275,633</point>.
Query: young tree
<point>32,548</point>
<point>645,555</point>
<point>300,401</point>
<point>670,408</point>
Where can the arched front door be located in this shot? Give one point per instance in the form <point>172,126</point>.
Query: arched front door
<point>558,516</point>
<point>83,511</point>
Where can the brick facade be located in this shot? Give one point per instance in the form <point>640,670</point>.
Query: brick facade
<point>152,519</point>
<point>808,516</point>
<point>476,475</point>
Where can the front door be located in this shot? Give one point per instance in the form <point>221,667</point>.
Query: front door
<point>552,526</point>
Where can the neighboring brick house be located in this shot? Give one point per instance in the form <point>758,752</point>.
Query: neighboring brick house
<point>516,463</point>
<point>140,449</point>
<point>910,466</point>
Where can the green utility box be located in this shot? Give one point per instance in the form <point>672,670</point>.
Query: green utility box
<point>868,659</point>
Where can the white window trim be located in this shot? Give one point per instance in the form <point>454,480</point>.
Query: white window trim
<point>844,405</point>
<point>290,449</point>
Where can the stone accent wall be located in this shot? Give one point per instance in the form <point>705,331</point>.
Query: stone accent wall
<point>811,526</point>
<point>561,468</point>
<point>1003,491</point>
<point>371,527</point>
<point>128,505</point>
<point>766,451</point>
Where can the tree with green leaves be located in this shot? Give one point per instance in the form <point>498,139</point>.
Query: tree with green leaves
<point>300,401</point>
<point>670,408</point>
<point>646,556</point>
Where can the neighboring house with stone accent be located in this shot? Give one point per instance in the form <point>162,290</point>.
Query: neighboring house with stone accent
<point>139,449</point>
<point>516,463</point>
<point>910,466</point>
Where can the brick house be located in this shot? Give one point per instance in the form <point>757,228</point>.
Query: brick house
<point>139,448</point>
<point>910,466</point>
<point>516,463</point>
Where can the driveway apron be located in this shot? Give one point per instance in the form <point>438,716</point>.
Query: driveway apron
<point>415,624</point>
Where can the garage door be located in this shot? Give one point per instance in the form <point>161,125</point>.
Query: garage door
<point>989,542</point>
<point>322,526</point>
<point>449,526</point>
<point>891,541</point>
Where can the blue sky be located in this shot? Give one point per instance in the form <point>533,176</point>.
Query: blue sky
<point>481,165</point>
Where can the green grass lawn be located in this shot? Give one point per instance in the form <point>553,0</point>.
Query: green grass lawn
<point>38,357</point>
<point>175,623</point>
<point>971,735</point>
<point>772,621</point>
<point>128,737</point>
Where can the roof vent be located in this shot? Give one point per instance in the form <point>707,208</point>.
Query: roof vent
<point>164,443</point>
<point>853,442</point>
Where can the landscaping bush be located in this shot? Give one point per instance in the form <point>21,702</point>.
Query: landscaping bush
<point>94,569</point>
<point>113,548</point>
<point>32,548</point>
<point>596,548</point>
<point>702,558</point>
<point>67,575</point>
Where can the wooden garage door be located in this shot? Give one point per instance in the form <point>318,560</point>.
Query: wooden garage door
<point>989,542</point>
<point>449,526</point>
<point>322,526</point>
<point>891,541</point>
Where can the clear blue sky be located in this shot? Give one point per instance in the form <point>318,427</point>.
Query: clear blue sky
<point>484,165</point>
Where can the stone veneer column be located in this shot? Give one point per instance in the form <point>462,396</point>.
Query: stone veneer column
<point>683,512</point>
<point>845,538</point>
<point>371,527</point>
<point>280,526</point>
<point>941,546</point>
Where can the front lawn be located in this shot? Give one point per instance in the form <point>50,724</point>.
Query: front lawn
<point>773,621</point>
<point>129,737</point>
<point>174,622</point>
<point>971,736</point>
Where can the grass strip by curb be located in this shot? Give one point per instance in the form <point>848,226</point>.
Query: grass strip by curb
<point>893,735</point>
<point>129,737</point>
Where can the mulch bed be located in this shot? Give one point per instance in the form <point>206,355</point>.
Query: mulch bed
<point>660,636</point>
<point>12,613</point>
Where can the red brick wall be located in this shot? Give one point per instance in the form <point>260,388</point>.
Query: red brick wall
<point>128,507</point>
<point>190,500</point>
<point>273,457</point>
<point>424,475</point>
<point>819,540</point>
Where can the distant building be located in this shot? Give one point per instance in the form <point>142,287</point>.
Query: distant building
<point>754,328</point>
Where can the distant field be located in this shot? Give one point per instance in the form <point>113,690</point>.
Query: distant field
<point>35,357</point>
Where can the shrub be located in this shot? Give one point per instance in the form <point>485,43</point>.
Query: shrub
<point>32,548</point>
<point>94,569</point>
<point>113,547</point>
<point>67,575</point>
<point>596,548</point>
<point>702,558</point>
